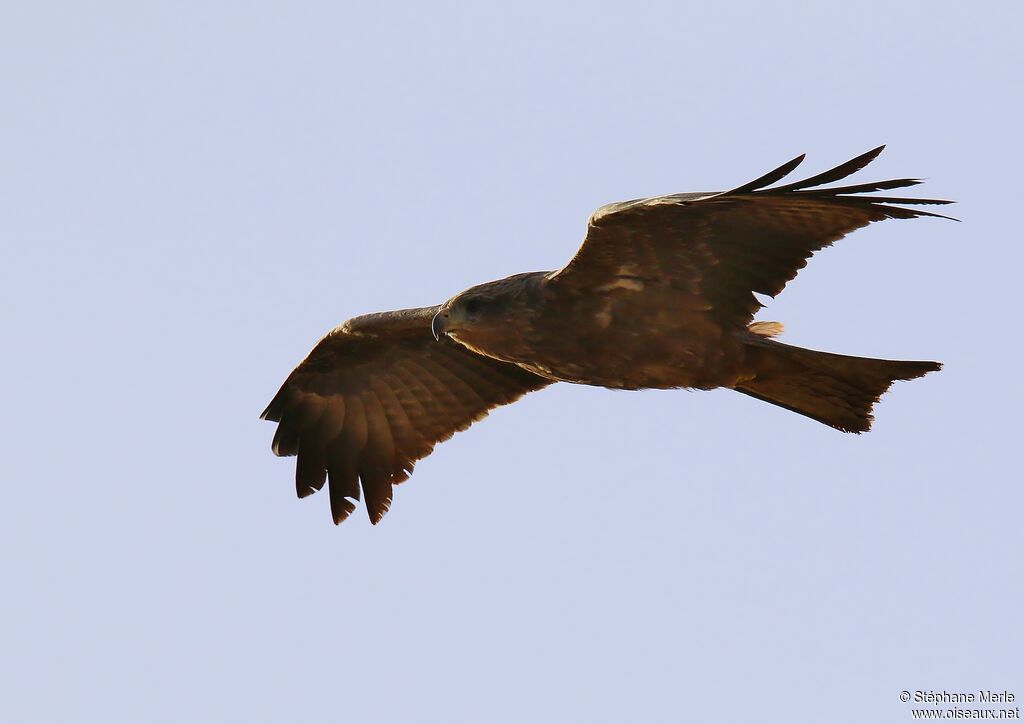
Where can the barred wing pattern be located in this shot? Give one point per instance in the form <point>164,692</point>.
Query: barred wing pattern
<point>724,246</point>
<point>376,395</point>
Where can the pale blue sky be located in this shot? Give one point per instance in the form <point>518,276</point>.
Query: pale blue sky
<point>191,194</point>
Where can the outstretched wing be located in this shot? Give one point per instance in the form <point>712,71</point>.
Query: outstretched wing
<point>724,246</point>
<point>374,396</point>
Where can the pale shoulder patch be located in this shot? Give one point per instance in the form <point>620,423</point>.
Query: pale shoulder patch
<point>631,284</point>
<point>626,277</point>
<point>650,201</point>
<point>765,329</point>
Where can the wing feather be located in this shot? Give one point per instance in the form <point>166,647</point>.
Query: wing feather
<point>835,174</point>
<point>771,177</point>
<point>346,453</point>
<point>402,430</point>
<point>376,467</point>
<point>311,466</point>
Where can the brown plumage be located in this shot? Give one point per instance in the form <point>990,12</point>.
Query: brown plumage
<point>660,295</point>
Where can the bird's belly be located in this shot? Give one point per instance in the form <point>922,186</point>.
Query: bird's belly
<point>641,359</point>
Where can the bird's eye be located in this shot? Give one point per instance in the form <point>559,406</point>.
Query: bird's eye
<point>472,306</point>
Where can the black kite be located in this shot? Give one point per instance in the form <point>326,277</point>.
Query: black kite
<point>660,295</point>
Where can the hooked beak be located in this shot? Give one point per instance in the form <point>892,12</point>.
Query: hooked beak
<point>439,325</point>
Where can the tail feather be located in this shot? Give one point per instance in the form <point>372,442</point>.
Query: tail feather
<point>833,389</point>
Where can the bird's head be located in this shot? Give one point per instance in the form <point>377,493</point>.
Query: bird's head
<point>474,308</point>
<point>486,313</point>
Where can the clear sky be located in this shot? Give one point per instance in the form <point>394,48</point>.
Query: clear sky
<point>191,194</point>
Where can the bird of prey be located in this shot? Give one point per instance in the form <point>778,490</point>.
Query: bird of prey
<point>660,295</point>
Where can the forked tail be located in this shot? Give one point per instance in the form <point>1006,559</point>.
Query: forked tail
<point>834,389</point>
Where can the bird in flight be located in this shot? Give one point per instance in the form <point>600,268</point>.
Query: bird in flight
<point>660,295</point>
